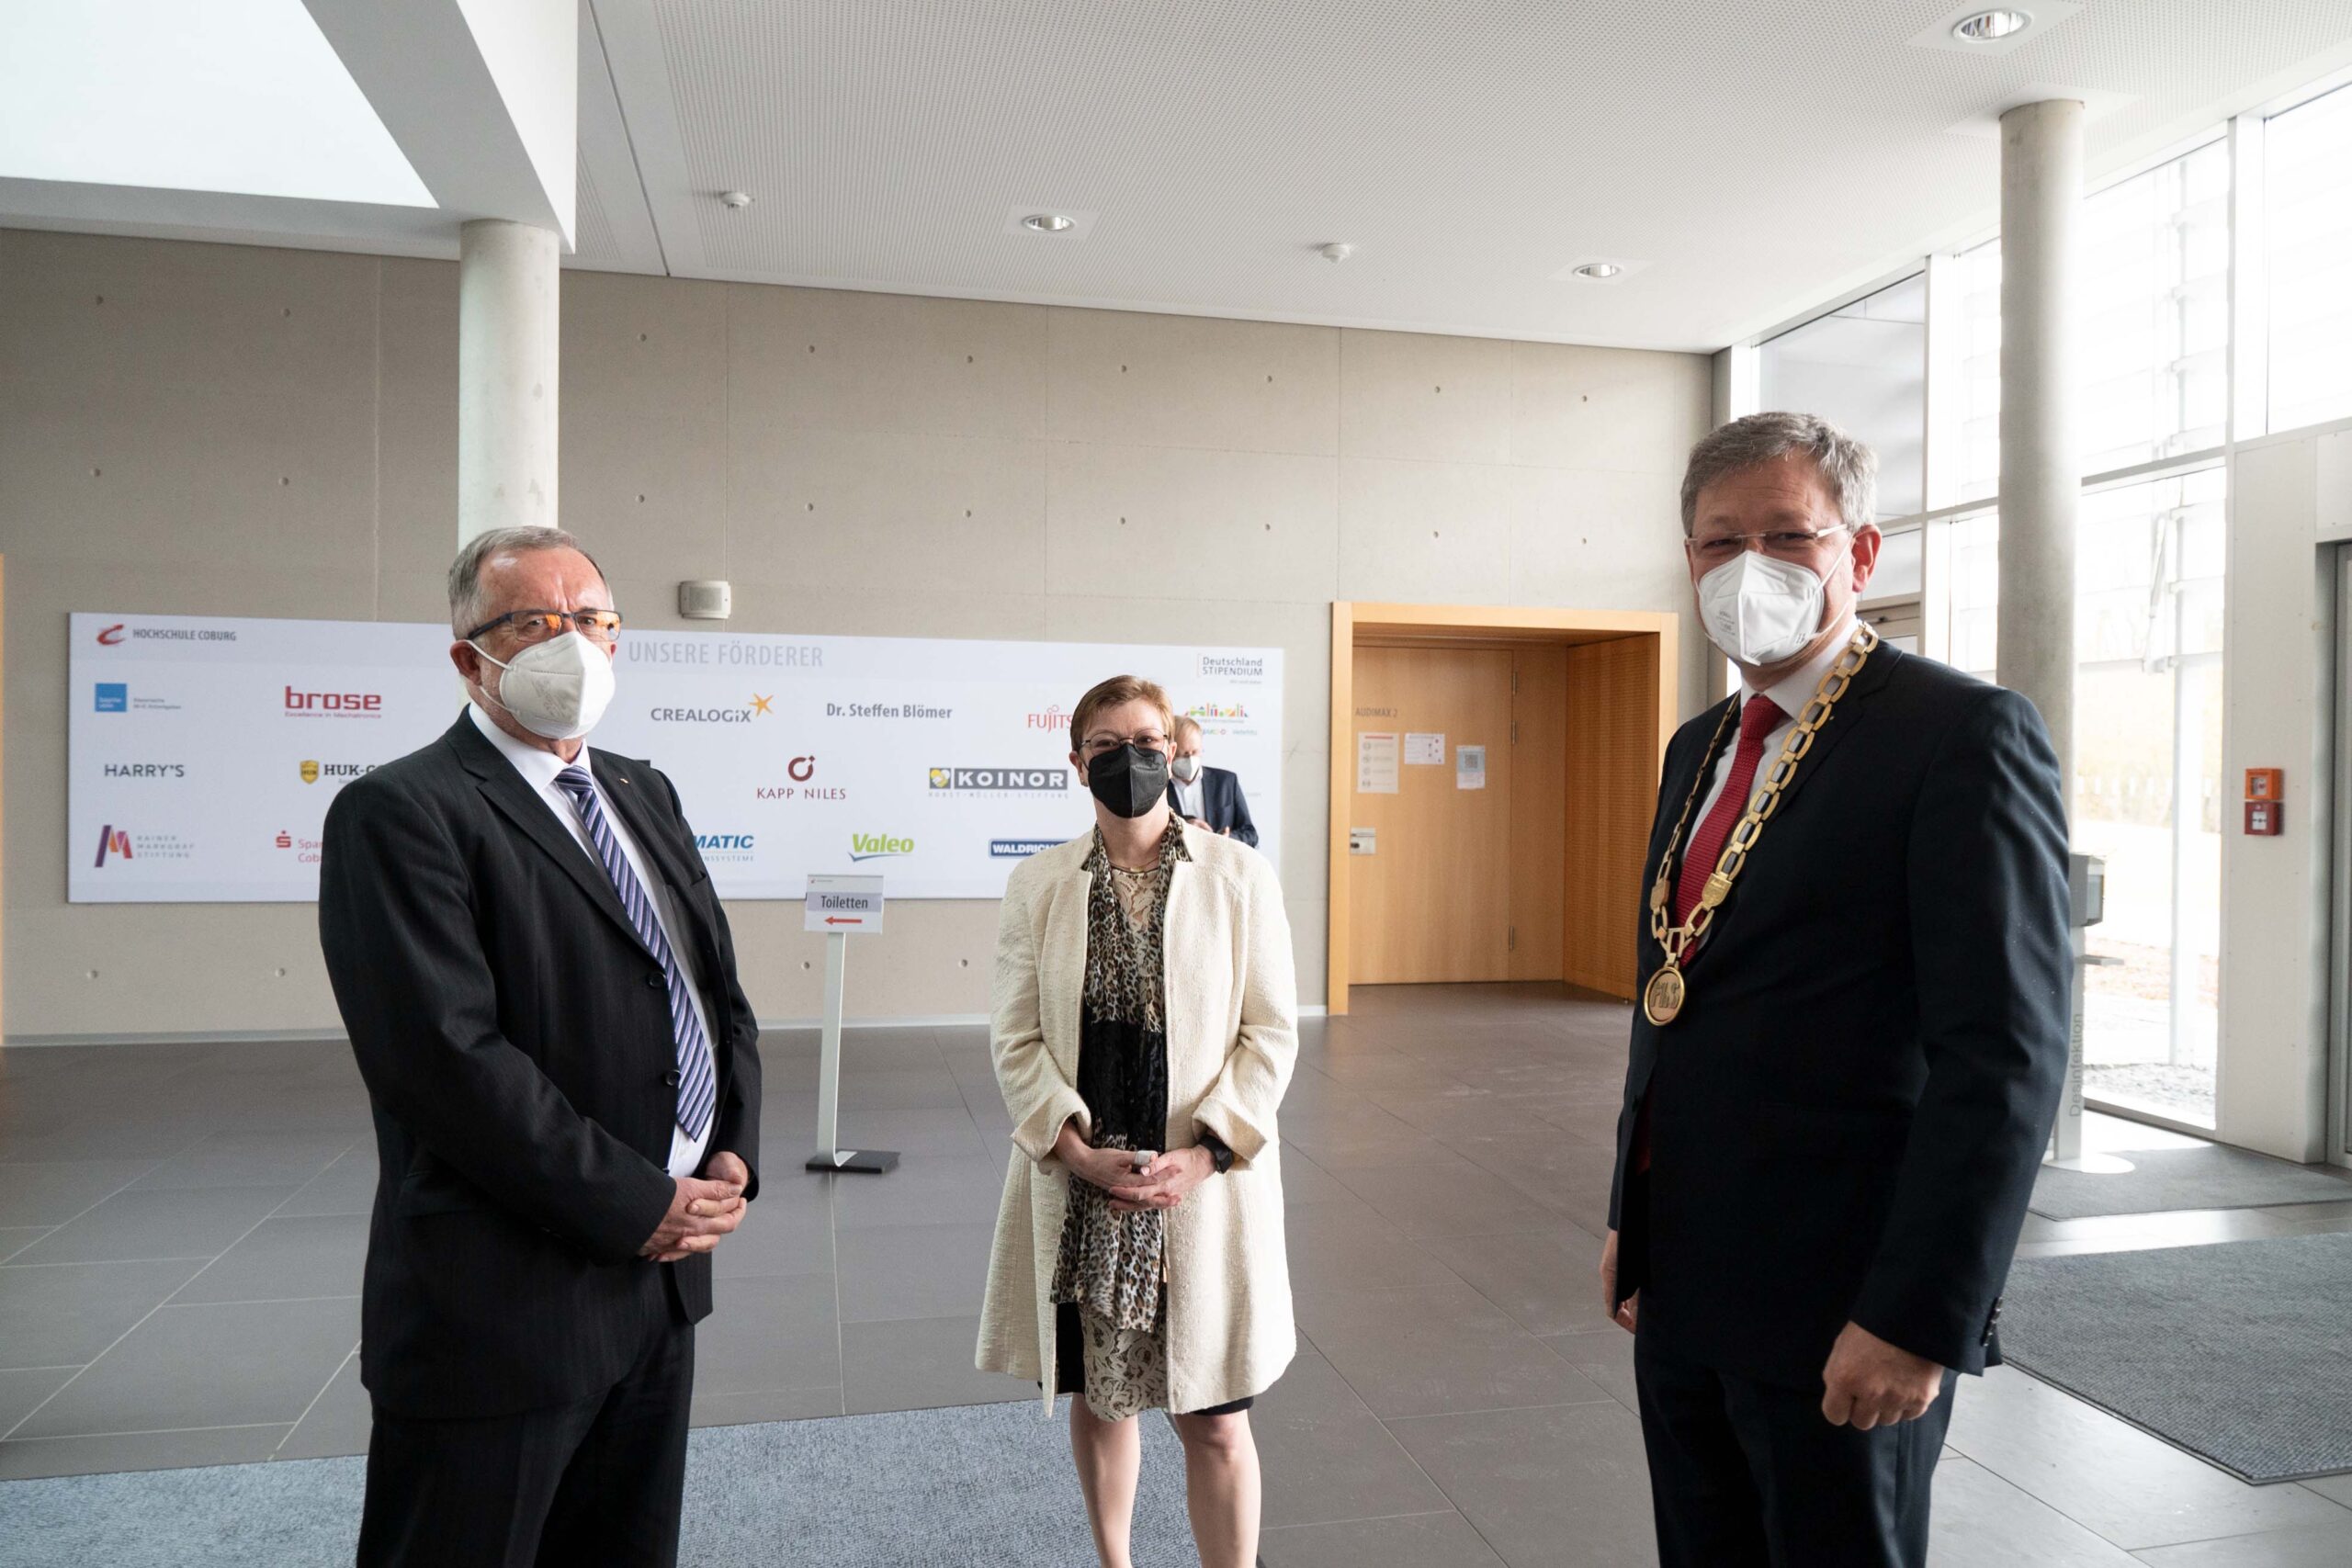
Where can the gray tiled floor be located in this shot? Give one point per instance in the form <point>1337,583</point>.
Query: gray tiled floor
<point>181,1230</point>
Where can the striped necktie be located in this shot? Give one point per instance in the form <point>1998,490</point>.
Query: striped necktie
<point>697,1085</point>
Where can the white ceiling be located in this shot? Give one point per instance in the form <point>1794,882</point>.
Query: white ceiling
<point>105,93</point>
<point>1756,160</point>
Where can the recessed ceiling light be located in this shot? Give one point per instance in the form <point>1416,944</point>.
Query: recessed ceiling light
<point>1598,270</point>
<point>734,199</point>
<point>1047,223</point>
<point>1337,251</point>
<point>1987,26</point>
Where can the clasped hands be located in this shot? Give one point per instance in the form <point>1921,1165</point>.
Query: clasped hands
<point>701,1211</point>
<point>1867,1382</point>
<point>1162,1184</point>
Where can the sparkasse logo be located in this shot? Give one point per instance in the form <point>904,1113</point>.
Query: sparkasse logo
<point>333,704</point>
<point>879,846</point>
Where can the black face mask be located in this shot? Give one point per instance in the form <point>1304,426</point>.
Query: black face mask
<point>1130,781</point>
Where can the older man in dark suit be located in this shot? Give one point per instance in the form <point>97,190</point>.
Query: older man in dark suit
<point>1850,1042</point>
<point>540,989</point>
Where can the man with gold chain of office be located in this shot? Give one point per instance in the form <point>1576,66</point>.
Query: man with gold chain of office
<point>1850,1041</point>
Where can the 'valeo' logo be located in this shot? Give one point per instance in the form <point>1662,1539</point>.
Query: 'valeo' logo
<point>879,846</point>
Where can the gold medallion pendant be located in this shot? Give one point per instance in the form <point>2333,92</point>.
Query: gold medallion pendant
<point>1663,997</point>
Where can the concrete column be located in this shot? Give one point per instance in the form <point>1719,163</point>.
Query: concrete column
<point>2042,188</point>
<point>508,332</point>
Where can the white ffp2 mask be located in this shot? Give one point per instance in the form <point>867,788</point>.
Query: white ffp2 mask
<point>1760,611</point>
<point>1186,769</point>
<point>556,689</point>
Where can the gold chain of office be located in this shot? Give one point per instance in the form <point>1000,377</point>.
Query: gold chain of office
<point>1664,998</point>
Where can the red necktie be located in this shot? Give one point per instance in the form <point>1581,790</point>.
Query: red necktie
<point>1757,717</point>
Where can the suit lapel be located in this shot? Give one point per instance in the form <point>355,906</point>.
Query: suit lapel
<point>619,782</point>
<point>515,800</point>
<point>1843,720</point>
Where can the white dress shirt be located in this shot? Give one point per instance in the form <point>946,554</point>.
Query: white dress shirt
<point>1789,694</point>
<point>539,769</point>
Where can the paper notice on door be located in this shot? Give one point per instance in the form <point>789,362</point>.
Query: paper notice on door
<point>1377,762</point>
<point>1424,750</point>
<point>1469,767</point>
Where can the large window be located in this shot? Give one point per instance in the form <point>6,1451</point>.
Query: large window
<point>2172,263</point>
<point>1864,367</point>
<point>2147,794</point>
<point>2308,210</point>
<point>2152,349</point>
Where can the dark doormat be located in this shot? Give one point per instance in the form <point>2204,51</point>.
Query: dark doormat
<point>2214,1176</point>
<point>977,1484</point>
<point>2235,1351</point>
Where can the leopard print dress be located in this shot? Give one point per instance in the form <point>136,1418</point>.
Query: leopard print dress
<point>1112,1268</point>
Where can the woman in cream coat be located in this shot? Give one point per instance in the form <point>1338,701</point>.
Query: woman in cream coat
<point>1145,1027</point>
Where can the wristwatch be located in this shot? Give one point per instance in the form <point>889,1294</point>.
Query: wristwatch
<point>1219,1155</point>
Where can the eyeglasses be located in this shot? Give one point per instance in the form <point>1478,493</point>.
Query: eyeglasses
<point>1144,739</point>
<point>538,625</point>
<point>1783,544</point>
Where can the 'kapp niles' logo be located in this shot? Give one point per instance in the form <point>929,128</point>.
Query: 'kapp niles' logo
<point>801,772</point>
<point>999,781</point>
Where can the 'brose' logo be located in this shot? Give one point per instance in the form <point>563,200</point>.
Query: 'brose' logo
<point>342,704</point>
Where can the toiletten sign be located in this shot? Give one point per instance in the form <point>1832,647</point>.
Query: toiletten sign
<point>204,752</point>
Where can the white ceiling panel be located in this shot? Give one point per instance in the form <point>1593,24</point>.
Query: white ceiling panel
<point>1754,158</point>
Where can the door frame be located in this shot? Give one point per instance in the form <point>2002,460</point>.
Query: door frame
<point>1352,619</point>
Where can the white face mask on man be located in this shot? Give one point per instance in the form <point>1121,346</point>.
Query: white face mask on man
<point>1759,610</point>
<point>1186,769</point>
<point>556,689</point>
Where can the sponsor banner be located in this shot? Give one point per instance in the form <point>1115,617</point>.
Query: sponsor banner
<point>204,751</point>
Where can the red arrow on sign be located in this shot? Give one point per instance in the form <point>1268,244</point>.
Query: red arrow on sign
<point>844,919</point>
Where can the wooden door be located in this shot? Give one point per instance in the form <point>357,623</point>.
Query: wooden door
<point>1432,901</point>
<point>1539,733</point>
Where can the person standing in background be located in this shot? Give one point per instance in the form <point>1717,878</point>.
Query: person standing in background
<point>541,988</point>
<point>1851,1038</point>
<point>1209,798</point>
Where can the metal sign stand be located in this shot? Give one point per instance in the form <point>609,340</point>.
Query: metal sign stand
<point>837,905</point>
<point>2087,899</point>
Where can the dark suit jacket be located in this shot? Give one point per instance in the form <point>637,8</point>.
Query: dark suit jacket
<point>514,1036</point>
<point>1222,805</point>
<point>1847,1118</point>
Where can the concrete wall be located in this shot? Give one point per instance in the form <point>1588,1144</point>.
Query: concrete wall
<point>2278,702</point>
<point>215,430</point>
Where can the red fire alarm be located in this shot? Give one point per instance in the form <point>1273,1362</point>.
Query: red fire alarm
<point>2266,783</point>
<point>2265,819</point>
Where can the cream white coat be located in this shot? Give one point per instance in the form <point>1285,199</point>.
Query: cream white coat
<point>1232,1016</point>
